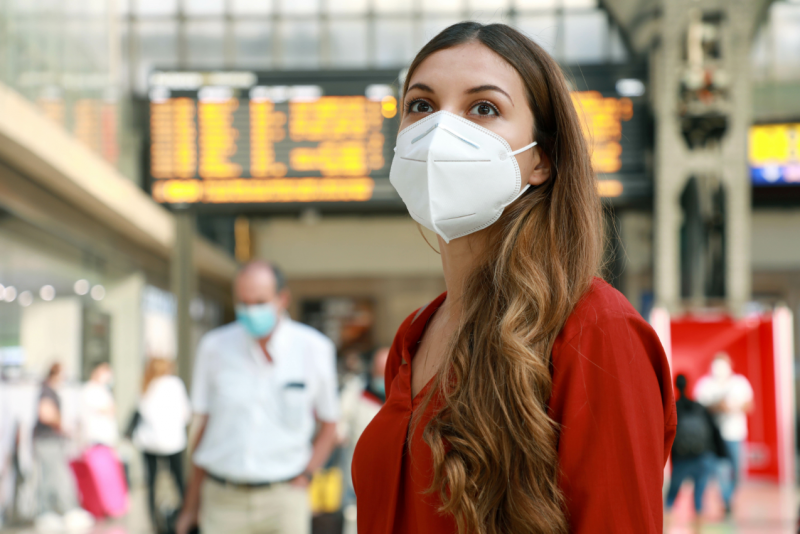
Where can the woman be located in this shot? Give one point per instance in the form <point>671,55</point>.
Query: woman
<point>161,431</point>
<point>58,503</point>
<point>531,397</point>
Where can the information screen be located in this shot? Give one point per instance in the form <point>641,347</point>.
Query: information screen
<point>271,143</point>
<point>774,154</point>
<point>234,138</point>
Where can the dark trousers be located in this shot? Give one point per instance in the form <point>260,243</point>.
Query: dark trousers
<point>151,461</point>
<point>699,469</point>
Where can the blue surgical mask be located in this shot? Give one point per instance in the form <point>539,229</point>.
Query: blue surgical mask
<point>258,319</point>
<point>378,385</point>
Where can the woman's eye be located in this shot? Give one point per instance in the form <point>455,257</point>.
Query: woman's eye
<point>483,109</point>
<point>419,106</point>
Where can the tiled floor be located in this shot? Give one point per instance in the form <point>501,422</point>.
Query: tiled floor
<point>760,509</point>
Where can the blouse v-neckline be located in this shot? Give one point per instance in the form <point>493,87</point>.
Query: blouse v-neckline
<point>412,340</point>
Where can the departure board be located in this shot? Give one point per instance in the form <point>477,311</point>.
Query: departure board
<point>317,137</point>
<point>264,141</point>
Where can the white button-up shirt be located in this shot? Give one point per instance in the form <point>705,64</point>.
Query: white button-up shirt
<point>261,414</point>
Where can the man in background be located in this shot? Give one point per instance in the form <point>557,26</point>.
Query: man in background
<point>696,450</point>
<point>729,397</point>
<point>262,385</point>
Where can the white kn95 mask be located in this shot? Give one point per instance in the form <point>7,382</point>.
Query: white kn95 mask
<point>455,176</point>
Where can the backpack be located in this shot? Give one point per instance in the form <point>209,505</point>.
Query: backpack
<point>694,433</point>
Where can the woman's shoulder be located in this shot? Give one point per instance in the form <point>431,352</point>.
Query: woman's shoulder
<point>600,306</point>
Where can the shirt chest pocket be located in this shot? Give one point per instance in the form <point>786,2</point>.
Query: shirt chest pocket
<point>295,400</point>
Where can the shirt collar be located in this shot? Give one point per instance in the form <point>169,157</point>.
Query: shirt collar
<point>276,343</point>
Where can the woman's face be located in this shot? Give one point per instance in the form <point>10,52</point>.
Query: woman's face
<point>473,82</point>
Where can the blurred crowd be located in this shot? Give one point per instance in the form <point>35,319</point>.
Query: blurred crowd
<point>66,463</point>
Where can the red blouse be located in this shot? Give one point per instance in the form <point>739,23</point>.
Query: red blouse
<point>612,397</point>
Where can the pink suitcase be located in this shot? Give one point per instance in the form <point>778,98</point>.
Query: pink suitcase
<point>101,482</point>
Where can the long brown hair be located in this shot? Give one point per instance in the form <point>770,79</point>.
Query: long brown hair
<point>495,460</point>
<point>155,368</point>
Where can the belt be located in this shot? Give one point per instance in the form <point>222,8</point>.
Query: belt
<point>243,485</point>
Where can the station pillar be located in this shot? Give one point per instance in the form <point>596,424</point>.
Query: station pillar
<point>184,286</point>
<point>702,105</point>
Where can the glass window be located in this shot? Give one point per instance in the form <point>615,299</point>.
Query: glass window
<point>347,6</point>
<point>348,43</point>
<point>585,37</point>
<point>253,44</point>
<point>156,7</point>
<point>251,7</point>
<point>299,7</point>
<point>392,6</point>
<point>86,47</point>
<point>204,7</point>
<point>158,48</point>
<point>34,6</point>
<point>523,5</point>
<point>395,42</point>
<point>543,29</point>
<point>487,8</point>
<point>205,46</point>
<point>432,26</point>
<point>785,19</point>
<point>85,7</point>
<point>300,44</point>
<point>580,4</point>
<point>443,6</point>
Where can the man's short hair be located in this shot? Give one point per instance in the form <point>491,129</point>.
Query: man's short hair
<point>280,279</point>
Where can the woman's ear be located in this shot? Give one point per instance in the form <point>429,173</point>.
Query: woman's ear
<point>541,167</point>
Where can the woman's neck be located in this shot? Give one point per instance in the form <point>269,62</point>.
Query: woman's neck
<point>459,259</point>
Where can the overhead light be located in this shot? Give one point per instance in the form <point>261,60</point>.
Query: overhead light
<point>98,292</point>
<point>9,294</point>
<point>25,299</point>
<point>630,87</point>
<point>47,292</point>
<point>81,287</point>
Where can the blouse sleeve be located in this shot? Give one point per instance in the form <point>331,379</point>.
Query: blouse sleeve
<point>612,399</point>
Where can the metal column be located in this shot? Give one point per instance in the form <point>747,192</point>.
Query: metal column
<point>184,285</point>
<point>676,162</point>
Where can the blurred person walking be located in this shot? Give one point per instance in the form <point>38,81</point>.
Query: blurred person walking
<point>362,398</point>
<point>729,397</point>
<point>98,416</point>
<point>56,495</point>
<point>531,397</point>
<point>261,384</point>
<point>160,433</point>
<point>697,447</point>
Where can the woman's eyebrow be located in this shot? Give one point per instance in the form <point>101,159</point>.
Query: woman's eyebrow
<point>421,87</point>
<point>482,88</point>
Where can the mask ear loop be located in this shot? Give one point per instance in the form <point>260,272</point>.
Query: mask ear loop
<point>419,229</point>
<point>523,149</point>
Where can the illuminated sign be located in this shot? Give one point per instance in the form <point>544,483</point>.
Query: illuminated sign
<point>233,138</point>
<point>774,154</point>
<point>270,142</point>
<point>601,122</point>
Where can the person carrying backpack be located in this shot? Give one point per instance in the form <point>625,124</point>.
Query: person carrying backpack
<point>697,446</point>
